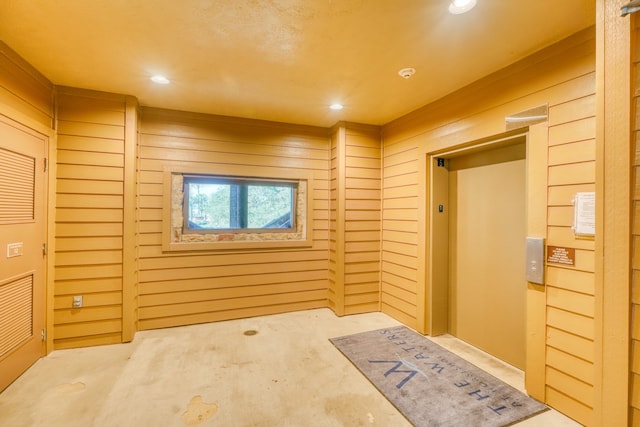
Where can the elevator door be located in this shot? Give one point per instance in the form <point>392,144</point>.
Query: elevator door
<point>487,231</point>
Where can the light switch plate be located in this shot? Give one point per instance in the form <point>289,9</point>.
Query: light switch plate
<point>14,249</point>
<point>535,260</point>
<point>77,301</point>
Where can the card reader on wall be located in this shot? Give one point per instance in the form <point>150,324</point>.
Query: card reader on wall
<point>535,260</point>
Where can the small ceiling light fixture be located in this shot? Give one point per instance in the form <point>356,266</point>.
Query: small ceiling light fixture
<point>406,73</point>
<point>161,80</point>
<point>461,6</point>
<point>336,106</point>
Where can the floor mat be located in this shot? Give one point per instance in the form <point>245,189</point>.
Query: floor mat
<point>432,386</point>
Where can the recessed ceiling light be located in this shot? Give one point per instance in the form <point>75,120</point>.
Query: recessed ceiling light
<point>461,6</point>
<point>162,80</point>
<point>336,106</point>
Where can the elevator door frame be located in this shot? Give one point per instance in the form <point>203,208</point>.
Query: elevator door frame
<point>436,280</point>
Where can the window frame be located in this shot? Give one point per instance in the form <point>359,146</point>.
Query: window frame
<point>173,240</point>
<point>234,180</point>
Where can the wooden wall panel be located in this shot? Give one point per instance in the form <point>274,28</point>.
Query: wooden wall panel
<point>571,290</point>
<point>25,95</point>
<point>400,226</point>
<point>89,218</point>
<point>362,202</point>
<point>179,288</point>
<point>355,219</point>
<point>563,77</point>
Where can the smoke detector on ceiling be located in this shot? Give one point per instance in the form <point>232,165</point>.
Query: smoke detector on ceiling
<point>406,73</point>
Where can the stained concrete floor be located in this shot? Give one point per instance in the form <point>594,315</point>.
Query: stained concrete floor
<point>278,370</point>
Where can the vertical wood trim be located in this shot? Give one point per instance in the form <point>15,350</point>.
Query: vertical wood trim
<point>422,324</point>
<point>436,297</point>
<point>425,307</point>
<point>381,216</point>
<point>340,217</point>
<point>612,214</point>
<point>129,237</point>
<point>51,238</point>
<point>536,294</point>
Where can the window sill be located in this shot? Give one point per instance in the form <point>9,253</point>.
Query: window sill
<point>227,245</point>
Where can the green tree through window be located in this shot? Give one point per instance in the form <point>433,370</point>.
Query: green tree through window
<point>221,203</point>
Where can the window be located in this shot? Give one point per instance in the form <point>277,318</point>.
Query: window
<point>214,204</point>
<point>218,210</point>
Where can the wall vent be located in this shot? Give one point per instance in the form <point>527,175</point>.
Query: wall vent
<point>16,313</point>
<point>17,186</point>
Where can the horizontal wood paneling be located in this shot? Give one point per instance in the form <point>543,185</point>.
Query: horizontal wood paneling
<point>362,279</point>
<point>570,343</point>
<point>571,290</point>
<point>89,218</point>
<point>91,340</point>
<point>582,390</point>
<point>400,226</point>
<point>566,404</point>
<point>355,219</point>
<point>215,316</point>
<point>25,94</point>
<point>202,286</point>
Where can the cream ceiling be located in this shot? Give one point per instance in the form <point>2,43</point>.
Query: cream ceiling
<point>282,60</point>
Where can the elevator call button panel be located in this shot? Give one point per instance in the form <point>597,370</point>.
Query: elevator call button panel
<point>535,260</point>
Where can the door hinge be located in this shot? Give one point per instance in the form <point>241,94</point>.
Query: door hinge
<point>46,164</point>
<point>43,334</point>
<point>44,249</point>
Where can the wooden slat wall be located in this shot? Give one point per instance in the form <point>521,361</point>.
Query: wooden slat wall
<point>25,94</point>
<point>562,76</point>
<point>89,218</point>
<point>362,222</point>
<point>400,222</point>
<point>355,222</point>
<point>195,287</point>
<point>356,203</point>
<point>570,290</point>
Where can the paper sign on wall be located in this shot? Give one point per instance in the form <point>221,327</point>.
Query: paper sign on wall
<point>584,222</point>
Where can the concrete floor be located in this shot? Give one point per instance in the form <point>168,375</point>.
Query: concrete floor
<point>218,374</point>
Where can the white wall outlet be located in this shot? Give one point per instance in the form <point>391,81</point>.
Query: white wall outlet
<point>77,301</point>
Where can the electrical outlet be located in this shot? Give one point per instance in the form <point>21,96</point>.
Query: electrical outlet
<point>77,301</point>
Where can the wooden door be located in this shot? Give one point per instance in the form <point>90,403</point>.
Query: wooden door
<point>22,256</point>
